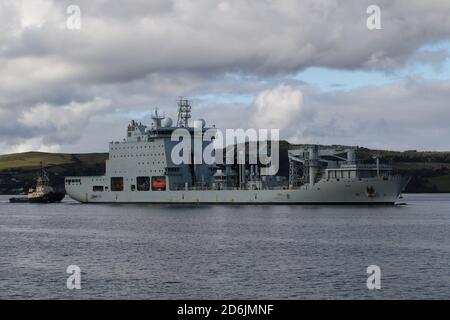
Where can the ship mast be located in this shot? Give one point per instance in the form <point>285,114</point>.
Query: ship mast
<point>184,112</point>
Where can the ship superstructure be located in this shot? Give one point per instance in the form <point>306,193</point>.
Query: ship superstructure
<point>141,169</point>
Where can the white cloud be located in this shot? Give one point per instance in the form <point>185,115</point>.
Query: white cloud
<point>278,108</point>
<point>35,12</point>
<point>406,115</point>
<point>32,144</point>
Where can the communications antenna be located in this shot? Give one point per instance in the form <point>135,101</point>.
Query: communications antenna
<point>184,112</point>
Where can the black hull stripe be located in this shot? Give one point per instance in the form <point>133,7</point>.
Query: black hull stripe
<point>255,203</point>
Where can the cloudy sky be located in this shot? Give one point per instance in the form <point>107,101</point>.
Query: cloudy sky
<point>311,68</point>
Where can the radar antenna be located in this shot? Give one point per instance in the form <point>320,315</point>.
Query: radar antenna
<point>157,118</point>
<point>184,112</point>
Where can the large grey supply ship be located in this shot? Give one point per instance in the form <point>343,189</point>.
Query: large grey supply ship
<point>140,169</point>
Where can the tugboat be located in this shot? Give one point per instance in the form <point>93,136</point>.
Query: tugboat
<point>42,193</point>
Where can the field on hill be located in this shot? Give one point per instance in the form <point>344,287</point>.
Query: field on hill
<point>32,160</point>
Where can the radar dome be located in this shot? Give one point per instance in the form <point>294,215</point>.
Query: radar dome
<point>167,122</point>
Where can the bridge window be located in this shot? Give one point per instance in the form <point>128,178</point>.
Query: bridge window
<point>173,170</point>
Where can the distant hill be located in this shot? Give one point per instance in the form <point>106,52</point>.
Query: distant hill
<point>32,160</point>
<point>18,171</point>
<point>430,171</point>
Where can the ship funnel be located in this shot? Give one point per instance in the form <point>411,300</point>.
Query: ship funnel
<point>351,156</point>
<point>313,164</point>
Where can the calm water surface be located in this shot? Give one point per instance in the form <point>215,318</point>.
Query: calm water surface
<point>226,252</point>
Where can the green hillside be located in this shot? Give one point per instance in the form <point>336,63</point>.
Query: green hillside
<point>18,171</point>
<point>429,171</point>
<point>32,160</point>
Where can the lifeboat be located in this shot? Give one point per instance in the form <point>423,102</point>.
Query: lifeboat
<point>158,185</point>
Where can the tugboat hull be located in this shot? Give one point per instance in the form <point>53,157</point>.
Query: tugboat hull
<point>47,198</point>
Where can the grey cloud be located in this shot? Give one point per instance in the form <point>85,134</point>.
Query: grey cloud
<point>214,38</point>
<point>141,54</point>
<point>262,37</point>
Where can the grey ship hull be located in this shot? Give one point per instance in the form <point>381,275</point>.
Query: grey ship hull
<point>343,191</point>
